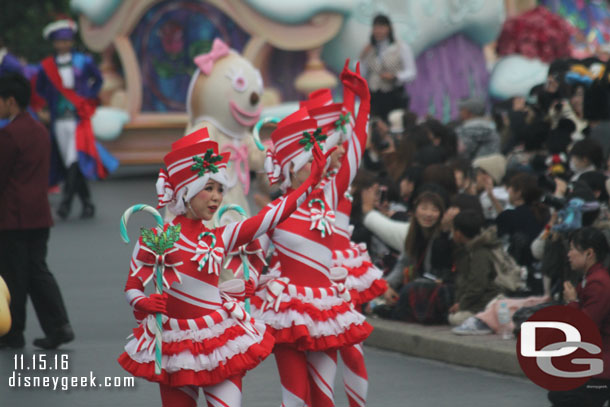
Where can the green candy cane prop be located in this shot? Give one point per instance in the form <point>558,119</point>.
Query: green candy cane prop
<point>257,129</point>
<point>159,240</point>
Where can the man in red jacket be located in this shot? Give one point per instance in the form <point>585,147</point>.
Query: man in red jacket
<point>588,250</point>
<point>25,219</point>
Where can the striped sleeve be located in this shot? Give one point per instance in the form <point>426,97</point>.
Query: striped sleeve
<point>239,233</point>
<point>351,161</point>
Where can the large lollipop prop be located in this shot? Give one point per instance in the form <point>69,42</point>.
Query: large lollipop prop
<point>159,240</point>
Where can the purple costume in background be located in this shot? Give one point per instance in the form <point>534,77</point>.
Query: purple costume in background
<point>87,81</point>
<point>9,63</point>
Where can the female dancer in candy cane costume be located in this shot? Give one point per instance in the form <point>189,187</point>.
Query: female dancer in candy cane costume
<point>208,340</point>
<point>364,282</point>
<point>309,315</point>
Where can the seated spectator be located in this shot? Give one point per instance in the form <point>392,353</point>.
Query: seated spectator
<point>379,142</point>
<point>442,136</point>
<point>522,224</point>
<point>586,155</point>
<point>420,286</point>
<point>588,250</point>
<point>441,174</point>
<point>414,139</point>
<point>477,136</point>
<point>489,172</point>
<point>474,268</point>
<point>408,184</point>
<point>596,180</point>
<point>462,171</point>
<point>534,140</point>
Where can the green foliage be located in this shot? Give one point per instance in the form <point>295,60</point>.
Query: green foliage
<point>207,163</point>
<point>309,139</point>
<point>22,23</point>
<point>160,242</point>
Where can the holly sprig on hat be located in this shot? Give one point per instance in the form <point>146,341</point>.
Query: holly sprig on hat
<point>160,242</point>
<point>342,121</point>
<point>206,163</point>
<point>309,139</point>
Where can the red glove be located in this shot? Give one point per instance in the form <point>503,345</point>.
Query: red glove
<point>153,304</point>
<point>250,288</point>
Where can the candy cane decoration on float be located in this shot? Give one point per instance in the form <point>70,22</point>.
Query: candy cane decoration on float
<point>242,254</point>
<point>159,240</point>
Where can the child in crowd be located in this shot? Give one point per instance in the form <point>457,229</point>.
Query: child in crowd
<point>475,272</point>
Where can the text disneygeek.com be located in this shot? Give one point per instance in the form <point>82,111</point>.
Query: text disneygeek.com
<point>25,369</point>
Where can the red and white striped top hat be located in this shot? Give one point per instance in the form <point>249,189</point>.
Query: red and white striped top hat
<point>192,162</point>
<point>292,140</point>
<point>329,116</point>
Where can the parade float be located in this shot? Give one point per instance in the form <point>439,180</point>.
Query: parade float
<point>555,29</point>
<point>148,49</point>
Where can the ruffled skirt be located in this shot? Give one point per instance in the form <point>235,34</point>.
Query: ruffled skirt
<point>364,280</point>
<point>199,352</point>
<point>309,318</point>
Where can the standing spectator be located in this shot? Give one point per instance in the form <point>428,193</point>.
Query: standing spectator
<point>25,219</point>
<point>475,272</point>
<point>387,65</point>
<point>588,250</point>
<point>477,136</point>
<point>69,81</point>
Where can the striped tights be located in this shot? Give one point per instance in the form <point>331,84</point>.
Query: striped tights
<point>225,394</point>
<point>307,377</point>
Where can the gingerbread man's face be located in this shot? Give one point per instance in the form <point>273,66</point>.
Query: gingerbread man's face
<point>230,96</point>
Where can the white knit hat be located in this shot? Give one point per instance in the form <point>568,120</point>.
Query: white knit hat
<point>493,164</point>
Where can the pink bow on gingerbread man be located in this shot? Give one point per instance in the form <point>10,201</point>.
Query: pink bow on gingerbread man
<point>205,62</point>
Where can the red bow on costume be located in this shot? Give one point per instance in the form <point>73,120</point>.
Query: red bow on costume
<point>273,296</point>
<point>209,253</point>
<point>321,219</point>
<point>146,260</point>
<point>239,314</point>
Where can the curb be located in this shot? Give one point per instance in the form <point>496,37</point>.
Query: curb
<point>487,352</point>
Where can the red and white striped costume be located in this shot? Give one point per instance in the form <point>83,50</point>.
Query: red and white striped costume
<point>209,341</point>
<point>364,282</point>
<point>309,315</point>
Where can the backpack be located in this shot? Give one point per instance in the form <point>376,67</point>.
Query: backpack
<point>508,272</point>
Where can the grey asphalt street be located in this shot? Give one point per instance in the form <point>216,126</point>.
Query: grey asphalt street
<point>90,263</point>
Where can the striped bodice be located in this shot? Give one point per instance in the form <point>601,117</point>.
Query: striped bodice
<point>304,255</point>
<point>342,227</point>
<point>197,294</point>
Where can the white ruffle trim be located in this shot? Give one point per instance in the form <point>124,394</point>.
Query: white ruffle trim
<point>319,303</point>
<point>364,281</point>
<point>340,260</point>
<point>316,329</point>
<point>186,360</point>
